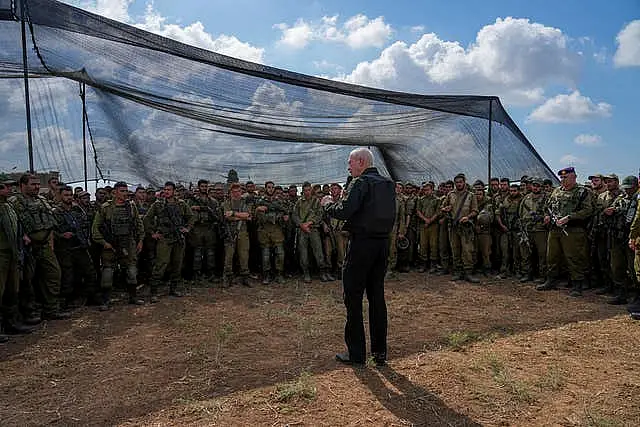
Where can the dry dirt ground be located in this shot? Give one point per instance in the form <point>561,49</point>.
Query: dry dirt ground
<point>459,354</point>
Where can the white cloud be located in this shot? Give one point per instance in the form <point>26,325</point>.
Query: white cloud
<point>588,140</point>
<point>512,58</point>
<point>571,160</point>
<point>117,10</point>
<point>418,29</point>
<point>570,108</point>
<point>357,32</point>
<point>628,40</point>
<point>194,34</point>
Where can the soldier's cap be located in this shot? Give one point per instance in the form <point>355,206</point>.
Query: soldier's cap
<point>629,182</point>
<point>547,182</point>
<point>400,183</point>
<point>83,194</point>
<point>460,175</point>
<point>596,175</point>
<point>478,183</point>
<point>566,171</point>
<point>536,181</point>
<point>525,179</point>
<point>516,186</point>
<point>428,184</point>
<point>408,184</point>
<point>612,176</point>
<point>9,182</point>
<point>150,189</point>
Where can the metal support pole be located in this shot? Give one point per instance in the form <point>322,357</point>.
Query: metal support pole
<point>84,131</point>
<point>25,66</point>
<point>489,139</point>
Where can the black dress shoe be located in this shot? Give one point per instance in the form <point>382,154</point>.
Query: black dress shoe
<point>344,358</point>
<point>379,359</point>
<point>33,320</point>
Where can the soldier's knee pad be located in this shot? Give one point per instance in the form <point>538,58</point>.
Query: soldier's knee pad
<point>106,280</point>
<point>132,274</point>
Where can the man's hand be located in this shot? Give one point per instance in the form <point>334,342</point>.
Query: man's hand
<point>195,208</point>
<point>156,236</point>
<point>562,221</point>
<point>228,214</point>
<point>326,200</point>
<point>26,240</point>
<point>285,218</point>
<point>547,220</point>
<point>67,235</point>
<point>184,230</point>
<point>447,208</point>
<point>609,211</point>
<point>107,246</point>
<point>464,219</point>
<point>261,208</point>
<point>632,244</point>
<point>139,247</point>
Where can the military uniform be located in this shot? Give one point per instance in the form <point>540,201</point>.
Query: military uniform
<point>309,210</point>
<point>568,241</point>
<point>484,238</point>
<point>11,263</point>
<point>444,242</point>
<point>399,229</point>
<point>120,225</point>
<point>507,212</point>
<point>41,269</point>
<point>270,233</point>
<point>147,255</point>
<point>168,217</point>
<point>602,238</point>
<point>428,207</point>
<point>534,235</point>
<point>78,275</point>
<point>621,255</point>
<point>462,235</point>
<point>236,240</point>
<point>634,236</point>
<point>203,237</point>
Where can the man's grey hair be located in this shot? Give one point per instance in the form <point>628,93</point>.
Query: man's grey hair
<point>363,154</point>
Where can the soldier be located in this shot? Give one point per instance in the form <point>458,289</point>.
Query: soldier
<point>602,229</point>
<point>494,187</point>
<point>307,216</point>
<point>72,239</point>
<point>508,221</point>
<point>444,242</point>
<point>335,239</point>
<point>597,184</point>
<point>41,267</point>
<point>203,238</point>
<point>484,222</point>
<point>534,233</point>
<point>236,240</point>
<point>569,208</point>
<point>622,211</point>
<point>118,228</point>
<point>168,220</point>
<point>634,244</point>
<point>397,232</point>
<point>52,189</point>
<point>290,255</point>
<point>11,264</point>
<point>428,212</point>
<point>271,216</point>
<point>407,259</point>
<point>462,208</point>
<point>547,186</point>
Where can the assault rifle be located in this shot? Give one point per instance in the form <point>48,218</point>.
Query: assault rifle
<point>555,219</point>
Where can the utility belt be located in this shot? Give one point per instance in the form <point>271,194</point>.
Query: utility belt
<point>40,237</point>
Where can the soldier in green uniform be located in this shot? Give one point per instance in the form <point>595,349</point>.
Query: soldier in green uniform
<point>307,216</point>
<point>621,212</point>
<point>41,267</point>
<point>290,255</point>
<point>444,223</point>
<point>603,223</point>
<point>271,215</point>
<point>569,208</point>
<point>203,238</point>
<point>72,239</point>
<point>236,239</point>
<point>397,232</point>
<point>408,258</point>
<point>168,220</point>
<point>508,220</point>
<point>634,244</point>
<point>534,233</point>
<point>335,239</point>
<point>428,212</point>
<point>11,264</point>
<point>462,208</point>
<point>118,228</point>
<point>484,222</point>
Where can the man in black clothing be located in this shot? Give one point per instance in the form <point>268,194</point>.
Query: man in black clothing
<point>368,210</point>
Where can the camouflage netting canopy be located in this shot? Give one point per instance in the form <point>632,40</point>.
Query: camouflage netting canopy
<point>158,109</point>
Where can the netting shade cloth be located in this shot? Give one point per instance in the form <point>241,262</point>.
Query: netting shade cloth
<point>159,110</point>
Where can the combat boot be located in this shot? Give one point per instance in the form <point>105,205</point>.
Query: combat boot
<point>390,276</point>
<point>279,278</point>
<point>457,276</point>
<point>620,296</point>
<point>471,279</point>
<point>306,277</point>
<point>423,268</point>
<point>576,291</point>
<point>548,285</point>
<point>526,278</point>
<point>605,290</point>
<point>266,279</point>
<point>244,281</point>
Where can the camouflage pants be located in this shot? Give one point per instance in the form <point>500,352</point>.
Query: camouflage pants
<point>429,243</point>
<point>78,277</point>
<point>169,256</point>
<point>636,265</point>
<point>572,248</point>
<point>339,240</point>
<point>462,246</point>
<point>510,248</point>
<point>126,257</point>
<point>444,244</point>
<point>271,236</point>
<point>537,248</point>
<point>484,242</point>
<point>310,239</point>
<point>9,284</point>
<point>238,246</point>
<point>622,268</point>
<point>393,251</point>
<point>43,272</point>
<point>203,241</point>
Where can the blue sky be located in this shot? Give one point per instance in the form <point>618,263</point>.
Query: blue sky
<point>567,71</point>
